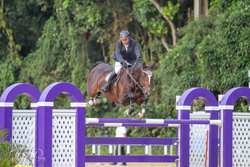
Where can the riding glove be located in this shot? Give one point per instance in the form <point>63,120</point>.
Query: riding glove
<point>124,65</point>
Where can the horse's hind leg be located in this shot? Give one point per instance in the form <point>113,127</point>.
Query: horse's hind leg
<point>91,95</point>
<point>97,98</point>
<point>139,116</point>
<point>90,103</point>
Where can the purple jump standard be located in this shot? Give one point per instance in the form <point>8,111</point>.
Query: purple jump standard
<point>183,113</point>
<point>44,122</point>
<point>226,114</point>
<point>7,103</point>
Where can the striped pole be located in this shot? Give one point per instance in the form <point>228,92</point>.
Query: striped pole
<point>152,121</point>
<point>131,125</point>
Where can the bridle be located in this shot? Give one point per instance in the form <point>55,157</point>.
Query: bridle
<point>149,73</point>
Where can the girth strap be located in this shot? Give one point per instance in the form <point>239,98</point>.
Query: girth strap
<point>115,85</point>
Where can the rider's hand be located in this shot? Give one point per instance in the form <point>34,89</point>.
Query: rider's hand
<point>124,64</point>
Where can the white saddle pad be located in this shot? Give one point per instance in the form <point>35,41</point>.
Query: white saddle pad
<point>107,77</point>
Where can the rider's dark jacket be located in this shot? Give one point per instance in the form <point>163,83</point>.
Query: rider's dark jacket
<point>128,55</point>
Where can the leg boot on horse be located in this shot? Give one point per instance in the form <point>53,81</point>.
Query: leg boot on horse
<point>129,111</point>
<point>105,88</point>
<point>144,100</point>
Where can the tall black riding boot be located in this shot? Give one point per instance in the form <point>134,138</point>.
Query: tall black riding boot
<point>105,88</point>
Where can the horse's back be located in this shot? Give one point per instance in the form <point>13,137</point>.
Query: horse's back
<point>96,77</point>
<point>99,68</point>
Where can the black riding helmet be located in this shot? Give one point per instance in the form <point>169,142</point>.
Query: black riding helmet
<point>124,34</point>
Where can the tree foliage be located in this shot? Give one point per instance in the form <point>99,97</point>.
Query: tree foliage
<point>213,53</point>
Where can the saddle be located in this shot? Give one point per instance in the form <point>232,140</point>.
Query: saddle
<point>116,79</point>
<point>118,76</point>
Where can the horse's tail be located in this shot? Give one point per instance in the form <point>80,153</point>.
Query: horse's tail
<point>99,62</point>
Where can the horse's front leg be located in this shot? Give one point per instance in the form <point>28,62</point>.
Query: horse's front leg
<point>131,97</point>
<point>139,116</point>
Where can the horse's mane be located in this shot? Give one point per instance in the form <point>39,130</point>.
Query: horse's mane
<point>138,64</point>
<point>140,61</point>
<point>99,62</point>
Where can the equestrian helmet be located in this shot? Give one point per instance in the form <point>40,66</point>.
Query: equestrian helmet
<point>124,34</point>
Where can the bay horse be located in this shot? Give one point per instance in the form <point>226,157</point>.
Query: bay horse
<point>133,86</point>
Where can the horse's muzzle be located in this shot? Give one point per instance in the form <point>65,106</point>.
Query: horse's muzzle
<point>148,94</point>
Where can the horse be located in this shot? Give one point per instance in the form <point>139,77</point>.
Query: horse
<point>132,86</point>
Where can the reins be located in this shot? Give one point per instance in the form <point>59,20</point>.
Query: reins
<point>143,90</point>
<point>128,72</point>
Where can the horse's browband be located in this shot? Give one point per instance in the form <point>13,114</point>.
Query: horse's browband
<point>148,72</point>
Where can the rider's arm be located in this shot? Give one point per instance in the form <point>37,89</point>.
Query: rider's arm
<point>137,50</point>
<point>118,52</point>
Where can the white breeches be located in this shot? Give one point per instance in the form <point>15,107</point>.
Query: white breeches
<point>118,66</point>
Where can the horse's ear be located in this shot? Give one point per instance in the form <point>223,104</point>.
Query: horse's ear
<point>144,65</point>
<point>153,66</point>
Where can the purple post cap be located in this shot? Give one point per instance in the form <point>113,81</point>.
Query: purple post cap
<point>205,95</point>
<point>66,88</point>
<point>14,90</point>
<point>233,94</point>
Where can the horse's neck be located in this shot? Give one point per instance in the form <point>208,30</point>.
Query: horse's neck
<point>135,72</point>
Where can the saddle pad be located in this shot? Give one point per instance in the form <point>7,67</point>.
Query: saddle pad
<point>117,77</point>
<point>107,77</point>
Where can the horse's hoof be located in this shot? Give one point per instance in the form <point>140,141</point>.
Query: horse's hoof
<point>126,113</point>
<point>97,101</point>
<point>90,104</point>
<point>138,117</point>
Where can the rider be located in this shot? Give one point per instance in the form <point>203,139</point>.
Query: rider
<point>126,51</point>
